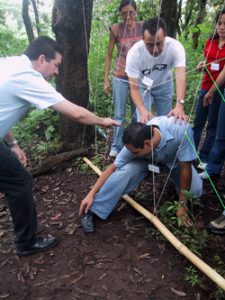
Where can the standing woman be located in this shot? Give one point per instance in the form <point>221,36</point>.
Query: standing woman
<point>124,35</point>
<point>214,54</point>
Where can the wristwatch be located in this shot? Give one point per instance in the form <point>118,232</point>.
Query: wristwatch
<point>12,143</point>
<point>181,101</point>
<point>182,203</point>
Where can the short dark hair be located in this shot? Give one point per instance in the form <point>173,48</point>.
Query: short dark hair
<point>153,25</point>
<point>137,133</point>
<point>43,45</point>
<point>127,2</point>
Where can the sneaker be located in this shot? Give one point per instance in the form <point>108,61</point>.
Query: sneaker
<point>88,223</point>
<point>113,153</point>
<point>217,226</point>
<point>202,166</point>
<point>203,175</point>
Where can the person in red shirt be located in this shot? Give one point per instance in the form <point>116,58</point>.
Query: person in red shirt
<point>214,63</point>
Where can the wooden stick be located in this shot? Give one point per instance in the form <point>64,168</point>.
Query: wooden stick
<point>211,273</point>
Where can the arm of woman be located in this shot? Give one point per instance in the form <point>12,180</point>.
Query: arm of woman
<point>108,60</point>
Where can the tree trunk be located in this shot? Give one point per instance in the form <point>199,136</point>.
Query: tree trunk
<point>27,20</point>
<point>36,14</point>
<point>71,23</point>
<point>169,14</point>
<point>199,20</point>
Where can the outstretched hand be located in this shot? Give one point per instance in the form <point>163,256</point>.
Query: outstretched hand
<point>182,215</point>
<point>86,204</point>
<point>107,122</point>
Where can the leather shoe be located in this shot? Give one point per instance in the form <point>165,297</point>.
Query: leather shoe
<point>41,244</point>
<point>88,222</point>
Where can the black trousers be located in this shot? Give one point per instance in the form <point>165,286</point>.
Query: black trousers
<point>16,184</point>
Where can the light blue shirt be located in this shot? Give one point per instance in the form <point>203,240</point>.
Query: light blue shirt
<point>176,144</point>
<point>20,87</point>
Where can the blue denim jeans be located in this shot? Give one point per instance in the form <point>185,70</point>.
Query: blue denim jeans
<point>125,179</point>
<point>161,96</point>
<point>207,114</point>
<point>217,154</point>
<point>120,95</point>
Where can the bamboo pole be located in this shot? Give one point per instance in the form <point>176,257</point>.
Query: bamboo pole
<point>211,273</point>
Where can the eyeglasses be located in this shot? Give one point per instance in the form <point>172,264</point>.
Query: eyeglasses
<point>129,13</point>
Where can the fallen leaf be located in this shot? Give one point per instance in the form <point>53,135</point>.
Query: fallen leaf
<point>178,293</point>
<point>56,217</point>
<point>4,295</point>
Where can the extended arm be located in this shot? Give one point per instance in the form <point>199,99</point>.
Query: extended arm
<point>108,60</point>
<point>178,110</point>
<point>218,83</point>
<point>138,101</point>
<point>89,199</point>
<point>82,115</point>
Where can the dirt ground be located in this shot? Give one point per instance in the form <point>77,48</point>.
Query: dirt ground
<point>122,260</point>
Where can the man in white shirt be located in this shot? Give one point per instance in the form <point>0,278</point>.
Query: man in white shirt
<point>23,82</point>
<point>149,68</point>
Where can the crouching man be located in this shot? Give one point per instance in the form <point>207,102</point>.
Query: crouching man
<point>160,141</point>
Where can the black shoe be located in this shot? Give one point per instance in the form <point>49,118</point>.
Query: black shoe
<point>88,223</point>
<point>217,226</point>
<point>42,244</point>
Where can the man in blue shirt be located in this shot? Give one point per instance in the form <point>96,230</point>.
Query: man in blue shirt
<point>160,141</point>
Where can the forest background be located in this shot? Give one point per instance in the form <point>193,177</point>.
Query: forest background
<point>42,133</point>
<point>21,21</point>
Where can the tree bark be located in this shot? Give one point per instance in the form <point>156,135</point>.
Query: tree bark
<point>36,14</point>
<point>71,23</point>
<point>169,14</point>
<point>27,20</point>
<point>199,20</point>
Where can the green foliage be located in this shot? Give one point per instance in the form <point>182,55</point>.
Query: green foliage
<point>10,43</point>
<point>38,132</point>
<point>192,276</point>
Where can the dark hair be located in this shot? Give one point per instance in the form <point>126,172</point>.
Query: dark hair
<point>43,45</point>
<point>218,16</point>
<point>136,133</point>
<point>153,25</point>
<point>127,2</point>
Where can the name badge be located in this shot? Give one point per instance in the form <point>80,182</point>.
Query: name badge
<point>153,168</point>
<point>215,66</point>
<point>147,81</point>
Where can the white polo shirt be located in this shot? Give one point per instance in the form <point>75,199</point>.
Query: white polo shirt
<point>20,87</point>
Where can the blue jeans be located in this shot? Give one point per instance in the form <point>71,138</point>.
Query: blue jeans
<point>161,96</point>
<point>120,95</point>
<point>207,114</point>
<point>125,179</point>
<point>217,154</point>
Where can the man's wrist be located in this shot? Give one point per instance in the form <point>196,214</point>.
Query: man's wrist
<point>181,101</point>
<point>12,143</point>
<point>182,203</point>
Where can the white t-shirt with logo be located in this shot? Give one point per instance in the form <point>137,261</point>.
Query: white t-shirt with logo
<point>141,63</point>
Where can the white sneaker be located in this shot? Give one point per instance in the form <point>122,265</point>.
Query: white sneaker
<point>202,166</point>
<point>203,175</point>
<point>113,153</point>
